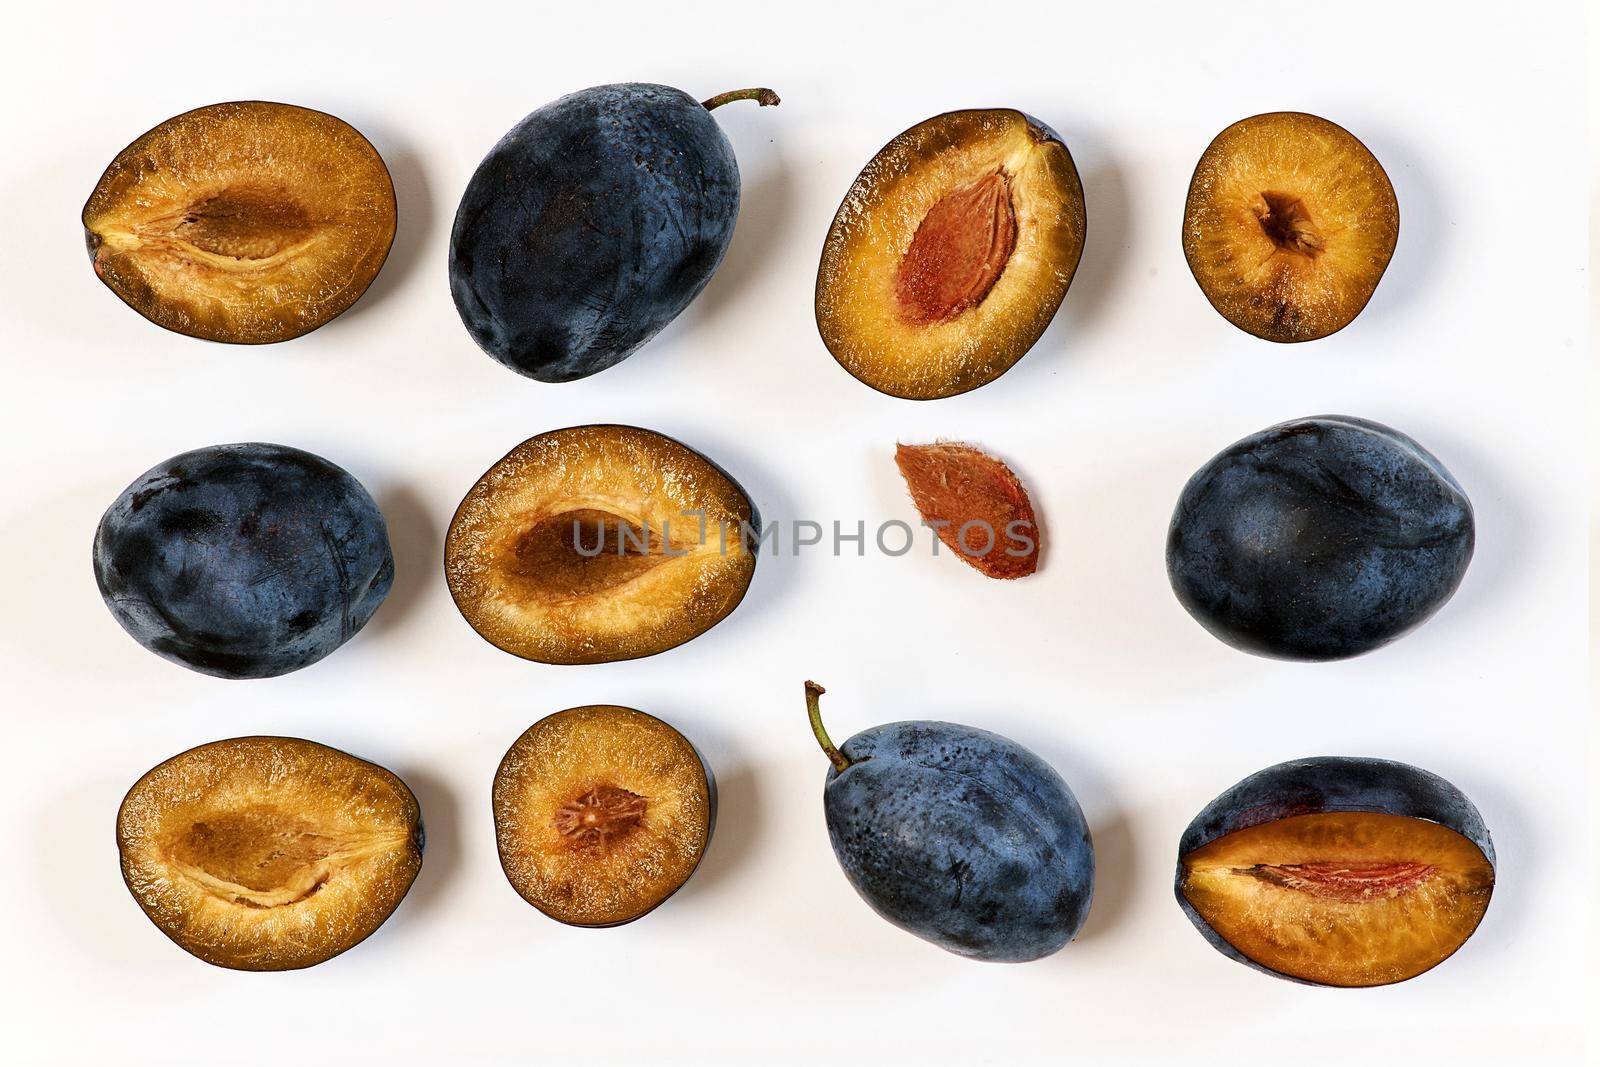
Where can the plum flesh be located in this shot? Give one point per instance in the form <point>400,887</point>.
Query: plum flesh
<point>601,813</point>
<point>1289,225</point>
<point>243,561</point>
<point>950,253</point>
<point>1337,870</point>
<point>591,544</point>
<point>247,222</point>
<point>591,225</point>
<point>268,853</point>
<point>1319,539</point>
<point>959,836</point>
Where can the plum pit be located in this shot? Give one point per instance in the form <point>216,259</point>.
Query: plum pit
<point>959,251</point>
<point>600,815</point>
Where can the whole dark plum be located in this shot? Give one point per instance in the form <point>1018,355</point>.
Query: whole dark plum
<point>243,561</point>
<point>959,836</point>
<point>591,225</point>
<point>1319,539</point>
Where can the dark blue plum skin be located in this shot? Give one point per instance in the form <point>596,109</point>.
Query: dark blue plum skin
<point>243,561</point>
<point>1315,786</point>
<point>590,226</point>
<point>962,837</point>
<point>1319,539</point>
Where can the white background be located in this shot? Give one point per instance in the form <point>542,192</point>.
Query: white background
<point>1474,344</point>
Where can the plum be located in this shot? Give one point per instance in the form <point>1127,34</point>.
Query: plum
<point>601,813</point>
<point>951,253</point>
<point>1289,224</point>
<point>592,224</point>
<point>1337,870</point>
<point>268,853</point>
<point>1319,539</point>
<point>244,560</point>
<point>959,836</point>
<point>247,222</point>
<point>592,544</point>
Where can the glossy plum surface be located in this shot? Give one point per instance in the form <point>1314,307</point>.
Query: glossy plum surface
<point>590,226</point>
<point>243,561</point>
<point>962,837</point>
<point>1319,539</point>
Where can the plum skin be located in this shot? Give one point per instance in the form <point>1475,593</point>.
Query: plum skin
<point>1325,784</point>
<point>243,561</point>
<point>591,225</point>
<point>1319,539</point>
<point>1002,865</point>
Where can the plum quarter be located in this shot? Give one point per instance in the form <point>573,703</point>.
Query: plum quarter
<point>243,561</point>
<point>1319,539</point>
<point>600,543</point>
<point>1337,871</point>
<point>959,836</point>
<point>592,224</point>
<point>248,222</point>
<point>268,853</point>
<point>1289,225</point>
<point>950,253</point>
<point>601,813</point>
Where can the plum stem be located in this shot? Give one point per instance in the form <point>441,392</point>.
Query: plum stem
<point>814,706</point>
<point>764,97</point>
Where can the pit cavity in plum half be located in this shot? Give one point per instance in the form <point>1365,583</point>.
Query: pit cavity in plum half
<point>1337,870</point>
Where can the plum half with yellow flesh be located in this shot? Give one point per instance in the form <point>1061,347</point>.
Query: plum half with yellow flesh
<point>247,222</point>
<point>1338,871</point>
<point>951,253</point>
<point>600,543</point>
<point>601,813</point>
<point>1289,224</point>
<point>268,853</point>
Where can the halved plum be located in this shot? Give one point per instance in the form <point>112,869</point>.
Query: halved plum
<point>601,813</point>
<point>600,543</point>
<point>1338,871</point>
<point>1289,225</point>
<point>247,222</point>
<point>268,853</point>
<point>951,253</point>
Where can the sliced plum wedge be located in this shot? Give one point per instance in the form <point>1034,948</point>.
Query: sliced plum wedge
<point>1338,871</point>
<point>601,813</point>
<point>268,853</point>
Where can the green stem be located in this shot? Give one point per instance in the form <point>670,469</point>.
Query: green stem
<point>814,706</point>
<point>764,97</point>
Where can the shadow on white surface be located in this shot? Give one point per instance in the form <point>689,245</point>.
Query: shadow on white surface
<point>763,238</point>
<point>1509,539</point>
<point>442,853</point>
<point>1423,249</point>
<point>417,542</point>
<point>417,215</point>
<point>75,854</point>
